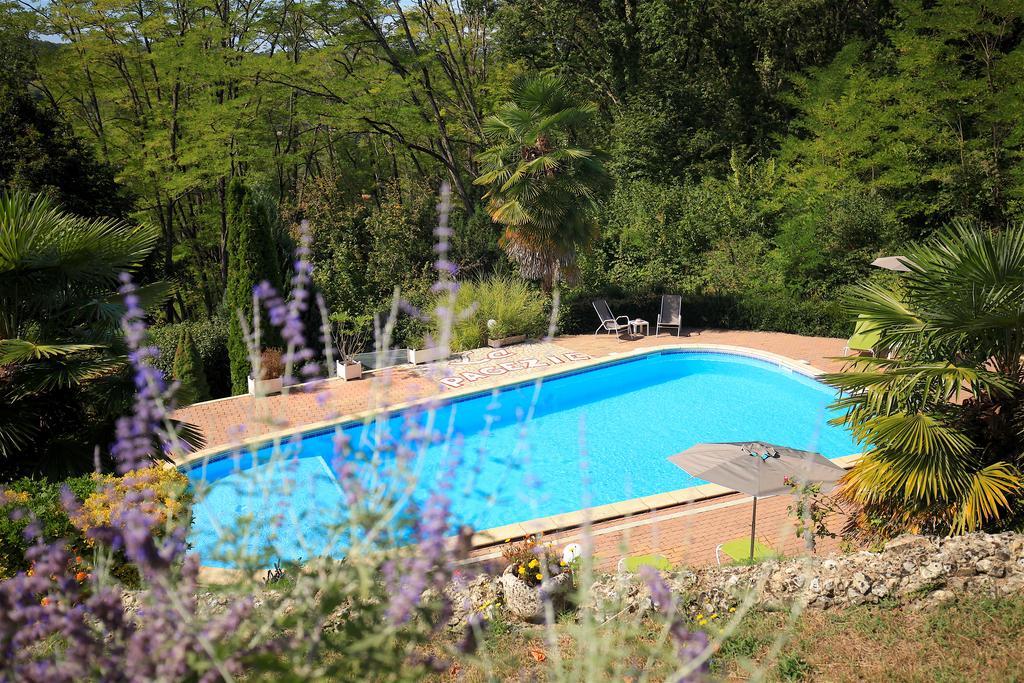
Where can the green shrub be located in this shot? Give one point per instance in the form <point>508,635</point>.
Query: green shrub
<point>210,336</point>
<point>771,312</point>
<point>99,495</point>
<point>188,371</point>
<point>41,499</point>
<point>515,307</point>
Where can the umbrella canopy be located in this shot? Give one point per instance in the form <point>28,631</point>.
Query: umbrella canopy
<point>755,468</point>
<point>897,263</point>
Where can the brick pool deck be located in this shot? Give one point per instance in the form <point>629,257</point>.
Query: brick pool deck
<point>686,534</point>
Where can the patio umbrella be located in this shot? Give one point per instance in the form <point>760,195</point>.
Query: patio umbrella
<point>757,469</point>
<point>900,264</point>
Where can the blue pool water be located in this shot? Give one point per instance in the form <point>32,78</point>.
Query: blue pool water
<point>581,439</point>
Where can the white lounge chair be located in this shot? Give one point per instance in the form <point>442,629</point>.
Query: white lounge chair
<point>670,314</point>
<point>610,323</point>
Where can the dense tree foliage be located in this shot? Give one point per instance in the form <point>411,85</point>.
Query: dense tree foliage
<point>38,150</point>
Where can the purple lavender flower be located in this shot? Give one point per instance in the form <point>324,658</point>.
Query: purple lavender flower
<point>137,434</point>
<point>428,567</point>
<point>689,644</point>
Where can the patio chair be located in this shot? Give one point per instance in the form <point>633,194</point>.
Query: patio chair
<point>610,323</point>
<point>865,338</point>
<point>738,550</point>
<point>670,314</point>
<point>631,565</point>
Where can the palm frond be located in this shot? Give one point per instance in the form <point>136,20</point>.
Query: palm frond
<point>13,351</point>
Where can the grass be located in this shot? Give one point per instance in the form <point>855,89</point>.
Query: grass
<point>970,639</point>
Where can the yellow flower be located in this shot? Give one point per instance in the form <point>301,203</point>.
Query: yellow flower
<point>539,577</point>
<point>715,615</point>
<point>732,609</point>
<point>699,617</point>
<point>522,570</point>
<point>534,562</point>
<point>561,563</point>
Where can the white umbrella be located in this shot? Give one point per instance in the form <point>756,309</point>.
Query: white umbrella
<point>757,469</point>
<point>901,264</point>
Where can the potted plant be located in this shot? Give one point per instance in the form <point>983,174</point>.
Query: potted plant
<point>500,334</point>
<point>351,335</point>
<point>534,576</point>
<point>271,371</point>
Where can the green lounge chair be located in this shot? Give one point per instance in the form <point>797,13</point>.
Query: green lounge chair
<point>738,550</point>
<point>865,337</point>
<point>631,565</point>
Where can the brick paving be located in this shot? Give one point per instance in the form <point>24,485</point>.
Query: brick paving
<point>686,534</point>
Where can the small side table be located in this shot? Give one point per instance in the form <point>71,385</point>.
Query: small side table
<point>636,325</point>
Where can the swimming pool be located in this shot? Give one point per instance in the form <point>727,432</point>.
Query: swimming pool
<point>583,438</point>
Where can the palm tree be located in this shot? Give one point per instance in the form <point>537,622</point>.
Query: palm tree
<point>541,183</point>
<point>943,418</point>
<point>62,363</point>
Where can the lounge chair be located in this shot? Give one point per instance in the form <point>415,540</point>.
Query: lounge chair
<point>670,314</point>
<point>610,323</point>
<point>738,550</point>
<point>865,337</point>
<point>631,565</point>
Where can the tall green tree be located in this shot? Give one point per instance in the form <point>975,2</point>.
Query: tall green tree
<point>927,117</point>
<point>542,182</point>
<point>682,82</point>
<point>39,152</point>
<point>252,258</point>
<point>188,371</point>
<point>62,363</point>
<point>942,418</point>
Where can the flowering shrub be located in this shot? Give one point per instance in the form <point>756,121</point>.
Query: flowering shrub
<point>168,503</point>
<point>37,500</point>
<point>533,561</point>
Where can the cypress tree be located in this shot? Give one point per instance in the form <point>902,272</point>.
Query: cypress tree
<point>252,258</point>
<point>188,370</point>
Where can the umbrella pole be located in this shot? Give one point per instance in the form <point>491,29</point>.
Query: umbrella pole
<point>753,527</point>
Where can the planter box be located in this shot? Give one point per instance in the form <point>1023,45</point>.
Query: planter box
<point>348,371</point>
<point>420,356</point>
<point>265,387</point>
<point>506,341</point>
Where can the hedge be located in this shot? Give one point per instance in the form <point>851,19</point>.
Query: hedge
<point>809,317</point>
